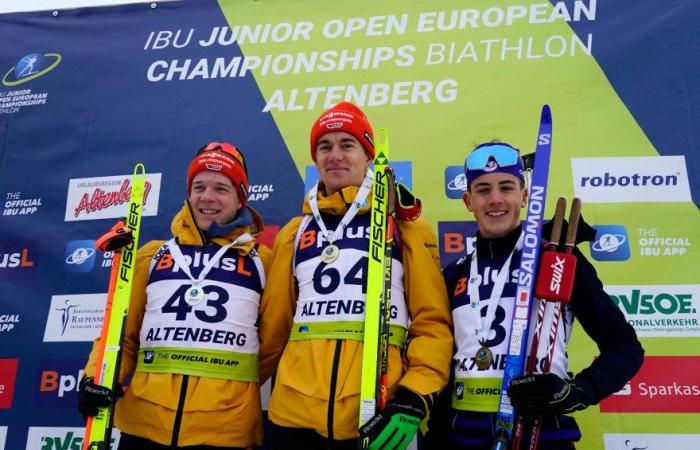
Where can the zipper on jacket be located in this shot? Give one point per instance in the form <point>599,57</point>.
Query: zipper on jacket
<point>331,396</point>
<point>178,413</point>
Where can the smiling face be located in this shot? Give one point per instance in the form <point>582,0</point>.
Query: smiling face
<point>213,199</point>
<point>496,200</point>
<point>341,161</point>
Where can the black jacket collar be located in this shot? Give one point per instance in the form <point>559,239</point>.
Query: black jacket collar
<point>493,248</point>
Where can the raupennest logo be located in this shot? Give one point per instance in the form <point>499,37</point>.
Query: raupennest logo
<point>631,179</point>
<point>30,67</point>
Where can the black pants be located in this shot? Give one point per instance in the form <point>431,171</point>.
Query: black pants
<point>284,438</point>
<point>131,442</point>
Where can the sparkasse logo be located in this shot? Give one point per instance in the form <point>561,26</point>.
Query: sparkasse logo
<point>663,384</point>
<point>631,179</point>
<point>8,375</point>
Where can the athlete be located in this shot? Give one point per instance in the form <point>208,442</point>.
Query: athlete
<point>316,289</point>
<point>482,288</point>
<point>191,341</point>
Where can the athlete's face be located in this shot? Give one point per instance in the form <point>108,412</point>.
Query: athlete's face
<point>341,161</point>
<point>213,199</point>
<point>496,200</point>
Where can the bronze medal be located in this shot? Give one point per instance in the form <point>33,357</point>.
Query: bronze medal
<point>330,254</point>
<point>483,358</point>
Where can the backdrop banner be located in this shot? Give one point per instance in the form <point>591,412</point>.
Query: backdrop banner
<point>86,93</point>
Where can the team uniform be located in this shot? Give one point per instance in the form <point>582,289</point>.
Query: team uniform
<point>193,354</point>
<point>474,391</point>
<point>322,304</point>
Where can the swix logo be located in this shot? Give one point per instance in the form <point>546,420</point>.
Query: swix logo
<point>58,383</point>
<point>8,374</point>
<point>557,273</point>
<point>61,438</point>
<point>107,197</point>
<point>631,179</point>
<point>663,384</point>
<point>17,260</point>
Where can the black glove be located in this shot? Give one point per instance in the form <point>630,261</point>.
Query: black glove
<point>395,427</point>
<point>546,393</point>
<point>92,396</point>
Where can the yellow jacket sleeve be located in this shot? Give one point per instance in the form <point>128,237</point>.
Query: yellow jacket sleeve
<point>278,302</point>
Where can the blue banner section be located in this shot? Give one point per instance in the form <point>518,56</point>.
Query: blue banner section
<point>78,111</point>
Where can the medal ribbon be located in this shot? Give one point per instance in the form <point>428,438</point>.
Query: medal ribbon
<point>360,198</point>
<point>475,299</point>
<point>182,262</point>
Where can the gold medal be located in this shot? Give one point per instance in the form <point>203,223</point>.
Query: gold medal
<point>194,295</point>
<point>483,357</point>
<point>330,254</point>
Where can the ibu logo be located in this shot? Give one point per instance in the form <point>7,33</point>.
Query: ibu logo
<point>80,256</point>
<point>455,182</point>
<point>29,67</point>
<point>611,243</point>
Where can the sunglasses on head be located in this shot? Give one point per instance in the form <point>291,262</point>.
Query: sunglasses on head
<point>503,154</point>
<point>225,148</point>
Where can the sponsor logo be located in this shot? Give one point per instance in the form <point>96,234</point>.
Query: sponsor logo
<point>80,256</point>
<point>74,318</point>
<point>57,386</point>
<point>611,243</point>
<point>17,261</point>
<point>30,67</point>
<point>651,243</point>
<point>630,441</point>
<point>459,390</point>
<point>61,438</point>
<point>456,239</point>
<point>8,375</point>
<point>455,182</point>
<point>108,197</point>
<point>660,310</point>
<point>8,322</point>
<point>631,179</point>
<point>260,192</point>
<point>15,205</point>
<point>403,173</point>
<point>663,384</point>
<point>3,437</point>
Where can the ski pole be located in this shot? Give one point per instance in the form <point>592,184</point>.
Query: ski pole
<point>531,362</point>
<point>566,269</point>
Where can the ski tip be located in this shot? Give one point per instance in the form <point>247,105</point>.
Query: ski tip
<point>381,138</point>
<point>546,114</point>
<point>139,169</point>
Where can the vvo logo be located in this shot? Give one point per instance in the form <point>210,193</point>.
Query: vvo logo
<point>58,383</point>
<point>61,438</point>
<point>630,441</point>
<point>660,310</point>
<point>632,179</point>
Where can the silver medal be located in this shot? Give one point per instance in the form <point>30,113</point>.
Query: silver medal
<point>330,254</point>
<point>194,295</point>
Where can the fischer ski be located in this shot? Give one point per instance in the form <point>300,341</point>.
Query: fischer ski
<point>532,230</point>
<point>122,239</point>
<point>376,328</point>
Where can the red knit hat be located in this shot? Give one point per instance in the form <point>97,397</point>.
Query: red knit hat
<point>343,117</point>
<point>225,159</point>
